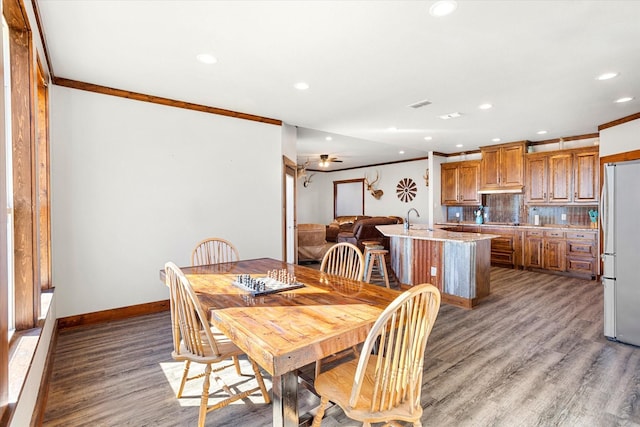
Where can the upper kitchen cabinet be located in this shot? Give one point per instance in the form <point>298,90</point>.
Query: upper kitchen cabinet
<point>562,177</point>
<point>586,173</point>
<point>460,183</point>
<point>502,168</point>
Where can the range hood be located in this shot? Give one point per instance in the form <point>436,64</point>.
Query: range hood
<point>502,190</point>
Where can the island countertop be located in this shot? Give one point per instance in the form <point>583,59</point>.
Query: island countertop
<point>419,231</point>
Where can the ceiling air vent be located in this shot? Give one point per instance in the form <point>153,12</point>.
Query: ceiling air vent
<point>420,104</point>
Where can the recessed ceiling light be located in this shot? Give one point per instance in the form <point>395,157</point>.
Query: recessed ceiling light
<point>392,128</point>
<point>459,145</point>
<point>624,99</point>
<point>428,138</point>
<point>496,140</point>
<point>301,86</point>
<point>401,152</point>
<point>443,8</point>
<point>206,58</point>
<point>541,132</point>
<point>607,76</point>
<point>329,138</point>
<point>485,106</point>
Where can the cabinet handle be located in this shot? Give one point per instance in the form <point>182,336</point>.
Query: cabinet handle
<point>544,195</point>
<point>575,195</point>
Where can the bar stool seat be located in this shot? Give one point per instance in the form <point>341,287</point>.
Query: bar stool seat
<point>373,256</point>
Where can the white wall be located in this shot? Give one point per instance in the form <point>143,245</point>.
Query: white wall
<point>620,139</point>
<point>136,184</point>
<point>315,202</point>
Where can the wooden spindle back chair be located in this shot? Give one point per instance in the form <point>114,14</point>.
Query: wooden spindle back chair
<point>213,251</point>
<point>344,259</point>
<point>386,386</point>
<point>194,340</point>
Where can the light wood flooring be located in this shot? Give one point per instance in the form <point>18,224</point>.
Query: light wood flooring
<point>531,354</point>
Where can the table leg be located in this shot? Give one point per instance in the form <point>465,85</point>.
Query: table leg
<point>285,400</point>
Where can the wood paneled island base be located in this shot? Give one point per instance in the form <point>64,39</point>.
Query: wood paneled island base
<point>458,264</point>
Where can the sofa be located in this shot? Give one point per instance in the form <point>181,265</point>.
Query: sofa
<point>342,224</point>
<point>365,230</point>
<point>312,244</point>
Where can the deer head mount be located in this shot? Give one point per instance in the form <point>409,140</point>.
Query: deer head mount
<point>307,180</point>
<point>375,193</point>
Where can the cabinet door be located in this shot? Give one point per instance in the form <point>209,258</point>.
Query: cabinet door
<point>490,168</point>
<point>533,252</point>
<point>555,255</point>
<point>449,184</point>
<point>586,177</point>
<point>512,162</point>
<point>536,179</point>
<point>468,181</point>
<point>560,178</point>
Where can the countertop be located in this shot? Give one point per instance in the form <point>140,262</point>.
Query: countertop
<point>562,227</point>
<point>420,231</point>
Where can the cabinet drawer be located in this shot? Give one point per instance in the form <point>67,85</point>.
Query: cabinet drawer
<point>585,266</point>
<point>554,234</point>
<point>535,233</point>
<point>582,248</point>
<point>581,235</point>
<point>502,258</point>
<point>502,244</point>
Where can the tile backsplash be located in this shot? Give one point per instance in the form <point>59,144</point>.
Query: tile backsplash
<point>510,208</point>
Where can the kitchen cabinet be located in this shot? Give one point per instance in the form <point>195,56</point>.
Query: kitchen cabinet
<point>586,173</point>
<point>562,177</point>
<point>545,249</point>
<point>504,249</point>
<point>502,168</point>
<point>581,254</point>
<point>459,182</point>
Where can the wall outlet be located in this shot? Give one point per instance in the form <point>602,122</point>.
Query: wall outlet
<point>563,217</point>
<point>434,270</point>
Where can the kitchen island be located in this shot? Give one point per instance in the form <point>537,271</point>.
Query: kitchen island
<point>458,264</point>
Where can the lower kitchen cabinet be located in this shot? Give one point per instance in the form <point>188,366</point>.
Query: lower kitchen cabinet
<point>546,250</point>
<point>582,259</point>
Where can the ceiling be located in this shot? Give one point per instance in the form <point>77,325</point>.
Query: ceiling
<point>536,62</point>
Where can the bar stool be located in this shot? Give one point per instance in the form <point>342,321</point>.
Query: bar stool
<point>374,254</point>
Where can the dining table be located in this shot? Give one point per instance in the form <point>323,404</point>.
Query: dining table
<point>288,329</point>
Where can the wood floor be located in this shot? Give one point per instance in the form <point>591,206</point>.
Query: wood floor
<point>531,354</point>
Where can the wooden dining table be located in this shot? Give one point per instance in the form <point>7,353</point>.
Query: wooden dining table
<point>287,330</point>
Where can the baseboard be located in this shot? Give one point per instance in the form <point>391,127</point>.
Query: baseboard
<point>43,392</point>
<point>113,314</point>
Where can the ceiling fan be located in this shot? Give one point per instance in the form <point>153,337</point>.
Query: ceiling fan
<point>325,160</point>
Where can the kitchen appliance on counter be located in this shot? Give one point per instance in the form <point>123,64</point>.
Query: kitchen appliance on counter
<point>620,205</point>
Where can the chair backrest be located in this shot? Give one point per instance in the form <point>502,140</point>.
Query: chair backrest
<point>188,319</point>
<point>214,251</point>
<point>402,329</point>
<point>344,259</point>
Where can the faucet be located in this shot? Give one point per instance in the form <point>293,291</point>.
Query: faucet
<point>406,223</point>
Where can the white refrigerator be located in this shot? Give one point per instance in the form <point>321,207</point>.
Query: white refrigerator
<point>620,217</point>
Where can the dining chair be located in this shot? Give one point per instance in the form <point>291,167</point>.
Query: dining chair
<point>213,251</point>
<point>385,386</point>
<point>194,340</point>
<point>345,260</point>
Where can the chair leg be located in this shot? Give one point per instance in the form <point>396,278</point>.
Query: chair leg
<point>236,362</point>
<point>187,363</point>
<point>318,367</point>
<point>258,375</point>
<point>205,396</point>
<point>318,418</point>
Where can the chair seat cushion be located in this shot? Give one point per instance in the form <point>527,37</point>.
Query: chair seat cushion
<point>338,382</point>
